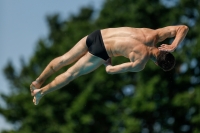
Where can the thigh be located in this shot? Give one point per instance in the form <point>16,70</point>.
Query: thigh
<point>76,52</point>
<point>86,64</point>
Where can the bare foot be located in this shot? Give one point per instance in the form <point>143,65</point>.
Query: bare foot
<point>36,92</point>
<point>37,96</point>
<point>36,84</point>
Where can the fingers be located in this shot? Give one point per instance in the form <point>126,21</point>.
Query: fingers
<point>162,49</point>
<point>165,47</point>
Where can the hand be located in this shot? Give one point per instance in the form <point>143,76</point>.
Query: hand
<point>166,47</point>
<point>108,62</point>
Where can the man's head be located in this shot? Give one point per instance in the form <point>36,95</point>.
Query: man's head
<point>165,60</point>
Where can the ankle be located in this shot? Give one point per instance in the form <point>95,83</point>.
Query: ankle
<point>39,81</point>
<point>42,92</point>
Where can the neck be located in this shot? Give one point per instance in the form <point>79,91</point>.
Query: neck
<point>154,53</point>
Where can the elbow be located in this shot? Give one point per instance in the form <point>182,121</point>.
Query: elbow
<point>185,28</point>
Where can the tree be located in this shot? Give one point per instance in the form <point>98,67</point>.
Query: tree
<point>148,101</point>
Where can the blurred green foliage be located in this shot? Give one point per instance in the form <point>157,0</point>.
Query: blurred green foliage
<point>151,101</point>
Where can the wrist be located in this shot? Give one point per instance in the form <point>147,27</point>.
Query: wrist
<point>108,69</point>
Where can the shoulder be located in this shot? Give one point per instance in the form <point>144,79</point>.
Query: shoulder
<point>147,32</point>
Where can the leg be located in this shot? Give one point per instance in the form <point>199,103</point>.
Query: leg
<point>71,56</point>
<point>84,65</point>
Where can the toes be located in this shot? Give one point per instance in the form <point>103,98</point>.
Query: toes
<point>32,87</point>
<point>34,100</point>
<point>37,98</point>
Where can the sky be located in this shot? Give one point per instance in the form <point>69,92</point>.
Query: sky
<point>22,23</point>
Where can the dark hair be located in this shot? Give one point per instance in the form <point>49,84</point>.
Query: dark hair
<point>166,60</point>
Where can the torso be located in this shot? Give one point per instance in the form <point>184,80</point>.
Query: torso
<point>132,43</point>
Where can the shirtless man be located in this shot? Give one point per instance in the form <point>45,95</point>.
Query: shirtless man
<point>136,44</point>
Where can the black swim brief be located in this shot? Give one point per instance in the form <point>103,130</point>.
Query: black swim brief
<point>96,46</point>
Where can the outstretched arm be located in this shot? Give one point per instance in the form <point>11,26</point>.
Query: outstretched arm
<point>179,32</point>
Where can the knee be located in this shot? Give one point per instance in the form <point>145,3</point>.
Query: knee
<point>56,64</point>
<point>69,76</point>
